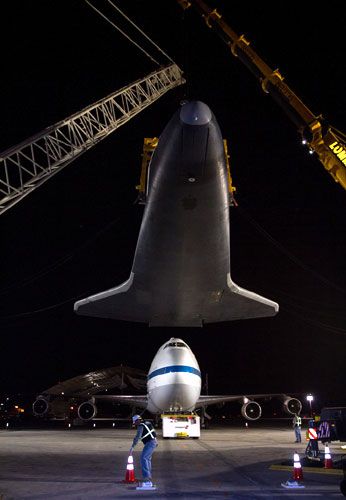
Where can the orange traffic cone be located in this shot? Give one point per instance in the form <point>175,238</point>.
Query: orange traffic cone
<point>297,468</point>
<point>328,462</point>
<point>297,475</point>
<point>130,471</point>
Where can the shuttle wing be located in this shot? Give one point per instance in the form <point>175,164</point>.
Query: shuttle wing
<point>128,302</point>
<point>124,302</point>
<point>238,303</point>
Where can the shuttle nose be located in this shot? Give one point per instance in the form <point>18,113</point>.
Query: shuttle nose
<point>195,113</point>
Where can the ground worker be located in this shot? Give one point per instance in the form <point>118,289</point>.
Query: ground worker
<point>312,450</point>
<point>297,425</point>
<point>145,432</point>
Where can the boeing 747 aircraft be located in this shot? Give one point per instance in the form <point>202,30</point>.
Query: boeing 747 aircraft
<point>173,385</point>
<point>181,273</point>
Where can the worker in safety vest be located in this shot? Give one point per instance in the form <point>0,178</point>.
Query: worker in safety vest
<point>145,432</point>
<point>312,449</point>
<point>297,425</point>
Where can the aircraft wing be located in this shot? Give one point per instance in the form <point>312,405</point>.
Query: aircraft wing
<point>250,409</point>
<point>89,384</point>
<point>83,390</point>
<point>138,401</point>
<point>242,398</point>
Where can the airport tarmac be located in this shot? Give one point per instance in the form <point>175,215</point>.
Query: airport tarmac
<point>226,462</point>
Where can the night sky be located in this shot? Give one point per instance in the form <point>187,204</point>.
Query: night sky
<point>76,234</point>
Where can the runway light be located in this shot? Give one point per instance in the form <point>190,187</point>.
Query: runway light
<point>304,141</point>
<point>69,426</point>
<point>7,425</point>
<point>94,425</point>
<point>113,424</point>
<point>311,151</point>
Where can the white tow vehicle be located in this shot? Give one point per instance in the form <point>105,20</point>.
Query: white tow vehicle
<point>181,426</point>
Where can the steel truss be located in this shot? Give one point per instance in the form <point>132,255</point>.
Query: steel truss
<point>28,165</point>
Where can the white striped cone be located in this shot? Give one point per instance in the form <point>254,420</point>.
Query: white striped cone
<point>297,468</point>
<point>130,471</point>
<point>328,462</point>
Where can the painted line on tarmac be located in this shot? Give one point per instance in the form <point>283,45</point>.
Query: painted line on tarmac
<point>314,470</point>
<point>227,461</point>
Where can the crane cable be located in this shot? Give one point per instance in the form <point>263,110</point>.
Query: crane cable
<point>337,132</point>
<point>60,262</point>
<point>142,32</point>
<point>288,254</point>
<point>122,32</point>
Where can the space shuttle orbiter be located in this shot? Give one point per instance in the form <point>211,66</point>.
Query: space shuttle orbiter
<point>181,274</point>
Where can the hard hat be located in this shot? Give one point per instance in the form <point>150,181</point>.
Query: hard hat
<point>136,417</point>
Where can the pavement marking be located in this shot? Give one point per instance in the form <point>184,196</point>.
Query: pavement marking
<point>227,461</point>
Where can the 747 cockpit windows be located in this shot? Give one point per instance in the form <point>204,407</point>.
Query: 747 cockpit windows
<point>175,344</point>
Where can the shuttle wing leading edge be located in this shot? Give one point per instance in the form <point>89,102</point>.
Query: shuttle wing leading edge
<point>123,302</point>
<point>129,303</point>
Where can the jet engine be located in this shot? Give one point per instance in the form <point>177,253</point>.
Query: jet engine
<point>251,410</point>
<point>40,406</point>
<point>87,410</point>
<point>292,406</point>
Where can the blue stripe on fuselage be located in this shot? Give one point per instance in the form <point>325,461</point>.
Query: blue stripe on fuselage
<point>174,369</point>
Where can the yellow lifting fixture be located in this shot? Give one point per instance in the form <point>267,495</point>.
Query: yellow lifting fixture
<point>232,189</point>
<point>149,146</point>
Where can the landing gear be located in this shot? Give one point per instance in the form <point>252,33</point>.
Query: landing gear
<point>205,418</point>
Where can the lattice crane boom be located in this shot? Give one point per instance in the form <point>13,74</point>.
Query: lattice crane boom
<point>28,165</point>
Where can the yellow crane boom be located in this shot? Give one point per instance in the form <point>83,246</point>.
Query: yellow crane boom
<point>328,143</point>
